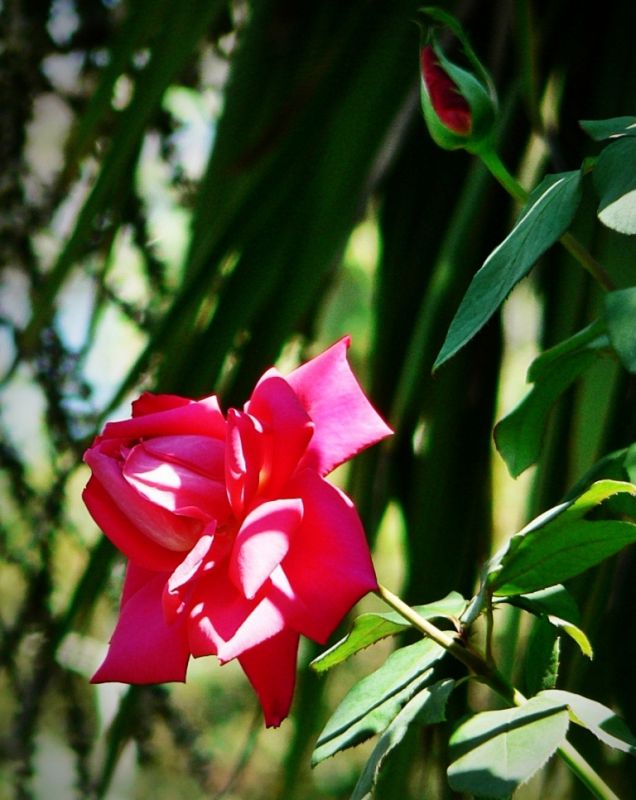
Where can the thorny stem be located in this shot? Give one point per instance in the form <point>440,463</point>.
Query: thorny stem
<point>488,674</point>
<point>577,250</point>
<point>489,631</point>
<point>471,658</point>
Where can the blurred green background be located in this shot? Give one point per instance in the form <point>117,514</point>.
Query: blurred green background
<point>191,192</point>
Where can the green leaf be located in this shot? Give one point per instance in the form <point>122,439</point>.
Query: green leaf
<point>370,628</point>
<point>592,337</point>
<point>561,544</point>
<point>496,751</point>
<point>597,493</point>
<point>426,708</point>
<point>619,465</point>
<point>373,702</point>
<point>547,215</point>
<point>541,662</point>
<point>597,718</point>
<point>620,312</point>
<point>600,129</point>
<point>557,606</point>
<point>554,600</point>
<point>629,462</point>
<point>575,633</point>
<point>614,465</point>
<point>519,435</point>
<point>615,181</point>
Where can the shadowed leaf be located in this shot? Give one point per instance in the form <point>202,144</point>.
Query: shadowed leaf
<point>597,718</point>
<point>374,701</point>
<point>600,129</point>
<point>496,751</point>
<point>426,708</point>
<point>545,218</point>
<point>620,312</point>
<point>615,182</point>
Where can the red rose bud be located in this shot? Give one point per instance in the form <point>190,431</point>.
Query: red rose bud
<point>458,103</point>
<point>451,108</point>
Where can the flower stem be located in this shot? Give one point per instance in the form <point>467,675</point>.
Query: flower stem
<point>471,658</point>
<point>501,174</point>
<point>488,673</point>
<point>577,250</point>
<point>584,772</point>
<point>587,261</point>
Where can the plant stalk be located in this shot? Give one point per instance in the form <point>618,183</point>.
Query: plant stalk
<point>584,772</point>
<point>478,664</point>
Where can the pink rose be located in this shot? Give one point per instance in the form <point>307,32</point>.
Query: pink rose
<point>236,543</point>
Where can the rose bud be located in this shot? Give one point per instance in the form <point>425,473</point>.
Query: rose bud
<point>459,105</point>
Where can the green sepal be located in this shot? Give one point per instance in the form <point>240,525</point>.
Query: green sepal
<point>443,18</point>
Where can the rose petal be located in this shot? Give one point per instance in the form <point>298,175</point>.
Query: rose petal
<point>449,105</point>
<point>201,454</point>
<point>123,534</point>
<point>157,524</point>
<point>182,579</point>
<point>223,621</point>
<point>143,648</point>
<point>136,578</point>
<point>175,487</point>
<point>287,429</point>
<point>243,459</point>
<point>328,566</point>
<point>200,417</point>
<point>150,403</point>
<point>262,542</point>
<point>345,420</point>
<point>217,610</point>
<point>271,669</point>
<point>266,620</point>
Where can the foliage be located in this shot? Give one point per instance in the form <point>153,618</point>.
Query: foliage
<point>192,192</point>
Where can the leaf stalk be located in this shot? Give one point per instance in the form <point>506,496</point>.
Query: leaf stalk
<point>488,674</point>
